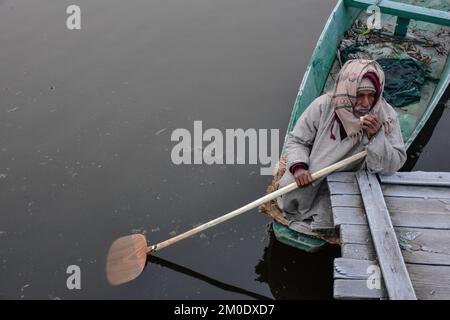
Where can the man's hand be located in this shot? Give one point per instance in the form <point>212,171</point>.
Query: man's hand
<point>371,125</point>
<point>302,177</point>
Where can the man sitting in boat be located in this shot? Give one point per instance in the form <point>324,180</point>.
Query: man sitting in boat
<point>336,125</point>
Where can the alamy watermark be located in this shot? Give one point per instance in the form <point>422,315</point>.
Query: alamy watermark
<point>374,279</point>
<point>236,146</point>
<point>374,20</point>
<point>74,280</point>
<point>73,21</point>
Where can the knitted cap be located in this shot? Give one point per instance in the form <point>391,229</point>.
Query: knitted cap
<point>366,84</point>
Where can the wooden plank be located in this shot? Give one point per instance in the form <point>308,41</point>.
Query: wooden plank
<point>420,220</point>
<point>342,177</point>
<point>337,187</point>
<point>416,237</point>
<point>344,215</point>
<point>346,200</point>
<point>408,191</point>
<point>353,269</point>
<point>419,246</point>
<point>397,281</point>
<point>405,212</point>
<point>358,251</point>
<point>419,205</point>
<point>404,10</point>
<point>355,216</point>
<point>429,282</point>
<point>416,192</point>
<point>425,246</point>
<point>418,178</point>
<point>356,289</point>
<point>359,234</point>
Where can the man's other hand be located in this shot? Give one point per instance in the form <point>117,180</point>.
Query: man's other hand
<point>371,125</point>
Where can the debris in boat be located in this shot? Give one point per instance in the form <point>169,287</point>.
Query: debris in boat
<point>410,235</point>
<point>405,246</point>
<point>406,237</point>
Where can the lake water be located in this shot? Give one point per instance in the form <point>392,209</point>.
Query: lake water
<point>85,152</point>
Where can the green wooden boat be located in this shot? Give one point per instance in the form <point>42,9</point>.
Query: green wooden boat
<point>411,25</point>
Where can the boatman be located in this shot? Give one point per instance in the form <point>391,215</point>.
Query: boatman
<point>352,118</point>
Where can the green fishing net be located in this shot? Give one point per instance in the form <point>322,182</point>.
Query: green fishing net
<point>404,80</point>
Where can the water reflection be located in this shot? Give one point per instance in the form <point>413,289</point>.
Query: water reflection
<point>295,274</point>
<point>221,285</point>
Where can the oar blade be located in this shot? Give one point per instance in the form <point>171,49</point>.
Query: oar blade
<point>126,259</point>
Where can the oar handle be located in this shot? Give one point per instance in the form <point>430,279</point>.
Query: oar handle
<point>271,196</point>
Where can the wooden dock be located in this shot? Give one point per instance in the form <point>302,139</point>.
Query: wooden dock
<point>395,235</point>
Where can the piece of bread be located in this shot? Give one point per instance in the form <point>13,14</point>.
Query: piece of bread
<point>361,119</point>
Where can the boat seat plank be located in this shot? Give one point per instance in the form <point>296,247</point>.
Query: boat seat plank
<point>403,10</point>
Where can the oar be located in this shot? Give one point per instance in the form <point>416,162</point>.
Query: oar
<point>127,255</point>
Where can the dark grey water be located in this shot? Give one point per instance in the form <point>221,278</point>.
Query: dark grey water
<point>85,124</point>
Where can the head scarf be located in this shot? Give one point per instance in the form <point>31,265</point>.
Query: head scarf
<point>345,91</point>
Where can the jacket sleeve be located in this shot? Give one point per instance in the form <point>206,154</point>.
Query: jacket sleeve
<point>386,153</point>
<point>300,140</point>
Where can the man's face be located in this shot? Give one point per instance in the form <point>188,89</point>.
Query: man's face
<point>364,101</point>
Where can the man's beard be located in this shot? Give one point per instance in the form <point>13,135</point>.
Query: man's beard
<point>360,111</point>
